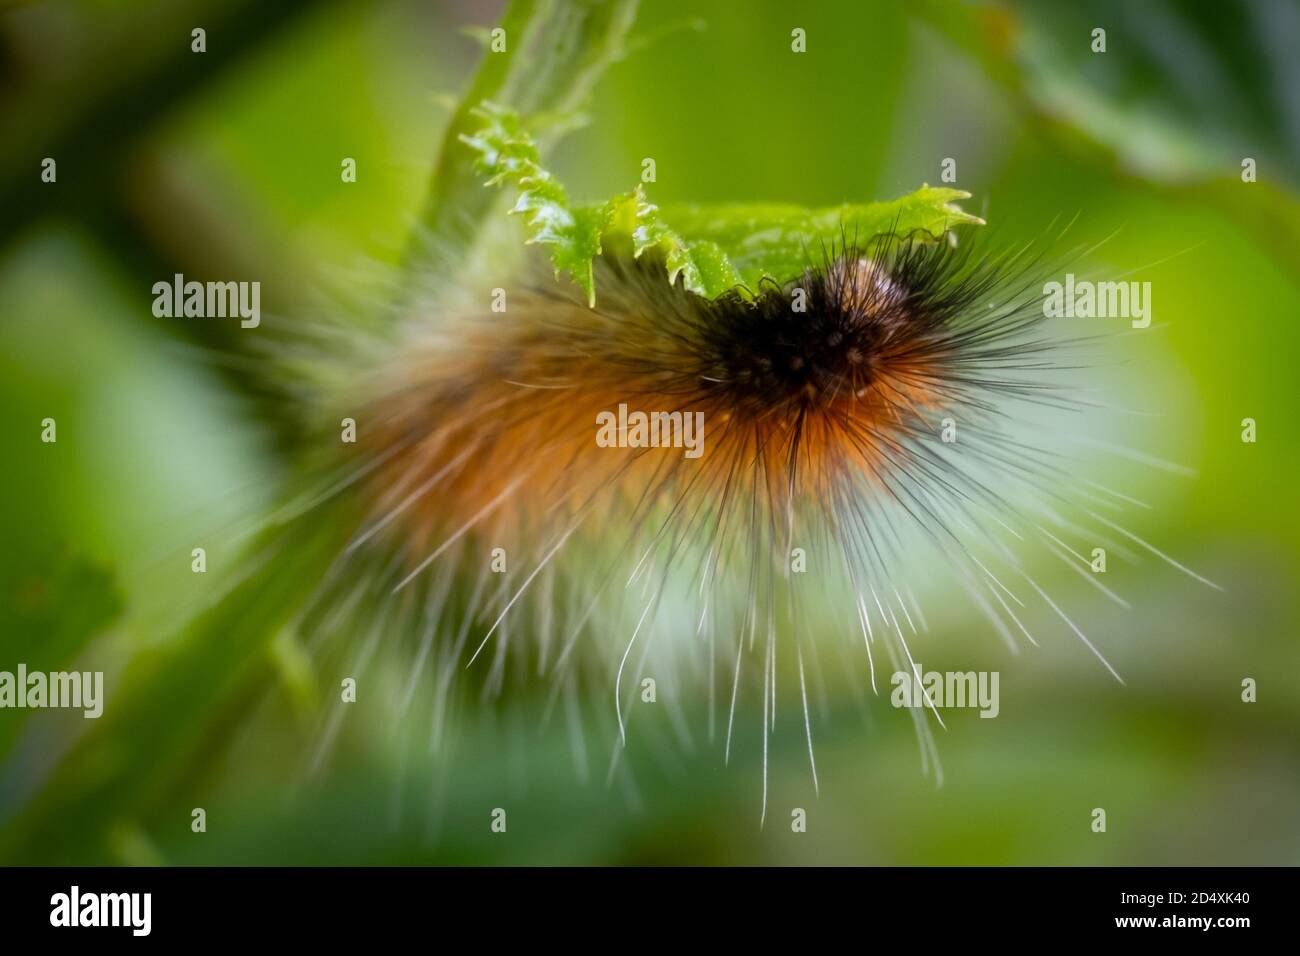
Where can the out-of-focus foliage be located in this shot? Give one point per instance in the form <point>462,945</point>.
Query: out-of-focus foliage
<point>1178,94</point>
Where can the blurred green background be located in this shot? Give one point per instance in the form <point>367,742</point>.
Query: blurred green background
<point>228,163</point>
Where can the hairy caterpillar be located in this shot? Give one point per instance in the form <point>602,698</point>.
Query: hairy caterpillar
<point>863,416</point>
<point>458,538</point>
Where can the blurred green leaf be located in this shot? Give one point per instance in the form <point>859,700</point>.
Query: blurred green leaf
<point>173,703</point>
<point>58,605</point>
<point>53,611</point>
<point>1180,96</point>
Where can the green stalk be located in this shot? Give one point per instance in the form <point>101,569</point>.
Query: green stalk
<point>556,50</point>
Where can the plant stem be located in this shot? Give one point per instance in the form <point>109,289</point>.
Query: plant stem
<point>555,52</point>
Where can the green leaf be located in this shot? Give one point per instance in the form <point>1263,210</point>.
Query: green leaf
<point>713,249</point>
<point>702,264</point>
<point>778,241</point>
